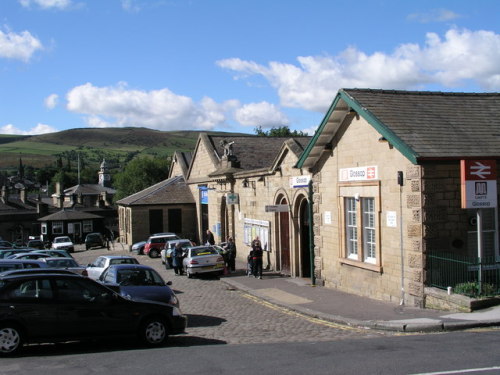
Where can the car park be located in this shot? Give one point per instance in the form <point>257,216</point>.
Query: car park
<point>166,252</point>
<point>13,264</point>
<point>63,243</point>
<point>95,269</point>
<point>64,263</point>
<point>202,259</point>
<point>59,306</point>
<point>138,281</point>
<point>94,240</point>
<point>155,243</point>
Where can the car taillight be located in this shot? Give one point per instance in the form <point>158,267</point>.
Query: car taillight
<point>193,262</point>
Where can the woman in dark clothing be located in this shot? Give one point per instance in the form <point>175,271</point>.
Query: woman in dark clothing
<point>177,256</point>
<point>210,238</point>
<point>257,254</point>
<point>230,254</point>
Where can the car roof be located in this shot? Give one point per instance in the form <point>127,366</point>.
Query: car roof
<point>20,261</point>
<point>129,266</point>
<point>116,256</point>
<point>30,272</point>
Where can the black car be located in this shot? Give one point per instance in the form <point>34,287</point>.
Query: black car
<point>57,307</point>
<point>94,240</point>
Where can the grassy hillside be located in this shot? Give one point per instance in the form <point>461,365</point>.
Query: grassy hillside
<point>117,144</point>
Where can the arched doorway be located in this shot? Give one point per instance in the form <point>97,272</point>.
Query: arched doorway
<point>284,236</point>
<point>304,237</point>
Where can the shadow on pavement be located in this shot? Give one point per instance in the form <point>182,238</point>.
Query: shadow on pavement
<point>203,321</point>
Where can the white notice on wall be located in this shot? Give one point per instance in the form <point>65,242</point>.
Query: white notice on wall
<point>392,219</point>
<point>328,217</point>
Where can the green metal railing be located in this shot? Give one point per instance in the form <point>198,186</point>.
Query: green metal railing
<point>465,274</point>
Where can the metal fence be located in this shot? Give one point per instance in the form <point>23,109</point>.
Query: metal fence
<point>465,274</point>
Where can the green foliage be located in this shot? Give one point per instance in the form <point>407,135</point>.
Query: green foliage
<point>281,131</point>
<point>471,289</point>
<point>139,174</point>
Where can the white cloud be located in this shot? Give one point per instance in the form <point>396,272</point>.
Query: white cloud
<point>158,109</point>
<point>435,15</point>
<point>461,56</point>
<point>51,101</point>
<point>260,114</point>
<point>20,46</point>
<point>46,4</point>
<point>310,131</point>
<point>39,129</point>
<point>130,6</point>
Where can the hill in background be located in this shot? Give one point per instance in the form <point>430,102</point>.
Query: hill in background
<point>117,145</point>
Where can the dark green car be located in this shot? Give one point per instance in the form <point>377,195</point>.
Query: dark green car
<point>94,240</point>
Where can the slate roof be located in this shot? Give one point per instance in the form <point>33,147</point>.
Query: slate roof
<point>171,191</point>
<point>254,152</point>
<point>438,124</point>
<point>88,189</point>
<point>64,215</point>
<point>422,125</point>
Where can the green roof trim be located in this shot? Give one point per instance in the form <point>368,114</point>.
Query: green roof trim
<point>316,135</point>
<point>387,133</point>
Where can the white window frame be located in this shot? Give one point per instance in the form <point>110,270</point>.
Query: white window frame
<point>87,226</point>
<point>44,228</point>
<point>57,227</point>
<point>360,216</point>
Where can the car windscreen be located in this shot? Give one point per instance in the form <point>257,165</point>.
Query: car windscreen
<point>124,261</point>
<point>63,262</point>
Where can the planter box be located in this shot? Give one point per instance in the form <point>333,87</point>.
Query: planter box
<point>440,300</point>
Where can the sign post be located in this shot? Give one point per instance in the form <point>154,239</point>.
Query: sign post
<point>479,190</point>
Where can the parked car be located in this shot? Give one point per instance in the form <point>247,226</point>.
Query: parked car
<point>29,255</point>
<point>155,243</point>
<point>94,270</point>
<point>5,253</point>
<point>54,253</point>
<point>6,245</point>
<point>202,259</point>
<point>138,247</point>
<point>64,263</point>
<point>36,244</point>
<point>137,281</point>
<point>165,253</point>
<point>94,240</point>
<point>57,307</point>
<point>13,264</point>
<point>63,243</point>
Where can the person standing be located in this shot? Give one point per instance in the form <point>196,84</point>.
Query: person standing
<point>230,254</point>
<point>257,254</point>
<point>177,256</point>
<point>210,238</point>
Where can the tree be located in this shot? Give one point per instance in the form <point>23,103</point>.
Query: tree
<point>281,131</point>
<point>139,174</point>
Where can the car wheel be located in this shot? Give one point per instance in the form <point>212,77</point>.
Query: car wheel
<point>153,253</point>
<point>154,332</point>
<point>11,339</point>
<point>141,251</point>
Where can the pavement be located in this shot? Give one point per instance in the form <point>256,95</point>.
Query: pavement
<point>328,304</point>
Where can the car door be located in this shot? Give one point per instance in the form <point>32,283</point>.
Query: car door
<point>95,270</point>
<point>87,309</point>
<point>30,301</point>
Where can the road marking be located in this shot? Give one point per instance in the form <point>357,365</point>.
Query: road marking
<point>463,371</point>
<point>303,316</point>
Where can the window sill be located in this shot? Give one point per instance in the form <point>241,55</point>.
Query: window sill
<point>358,264</point>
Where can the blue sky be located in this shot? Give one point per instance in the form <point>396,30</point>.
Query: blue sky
<point>230,65</point>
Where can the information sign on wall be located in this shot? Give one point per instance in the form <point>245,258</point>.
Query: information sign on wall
<point>478,183</point>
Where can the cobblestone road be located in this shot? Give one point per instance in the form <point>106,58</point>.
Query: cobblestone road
<point>220,314</point>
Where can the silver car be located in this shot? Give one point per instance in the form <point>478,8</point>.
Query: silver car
<point>203,259</point>
<point>94,270</point>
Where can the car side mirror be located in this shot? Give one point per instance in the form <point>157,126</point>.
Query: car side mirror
<point>168,283</point>
<point>90,265</point>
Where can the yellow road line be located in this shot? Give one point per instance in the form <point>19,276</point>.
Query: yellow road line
<point>303,316</point>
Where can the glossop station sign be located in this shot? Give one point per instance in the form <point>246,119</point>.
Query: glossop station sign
<point>478,183</point>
